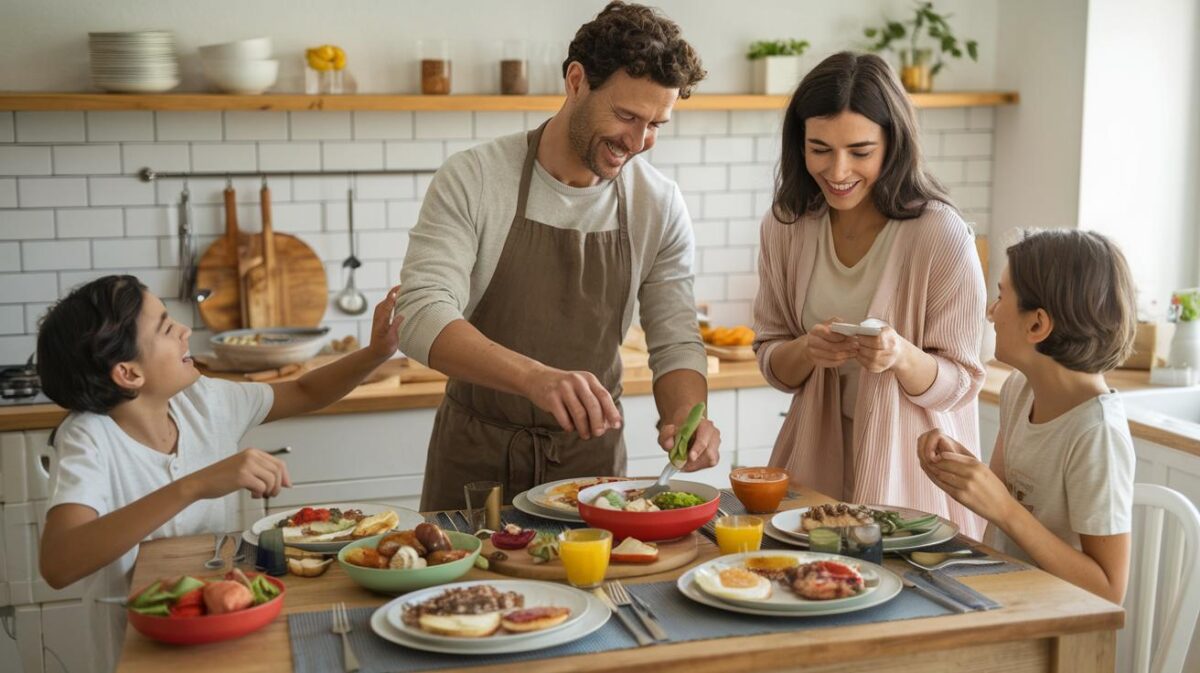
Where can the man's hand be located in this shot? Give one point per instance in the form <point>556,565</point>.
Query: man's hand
<point>705,449</point>
<point>577,401</point>
<point>254,470</point>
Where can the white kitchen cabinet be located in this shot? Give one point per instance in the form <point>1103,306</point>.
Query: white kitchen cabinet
<point>760,414</point>
<point>22,537</point>
<point>49,638</point>
<point>25,464</point>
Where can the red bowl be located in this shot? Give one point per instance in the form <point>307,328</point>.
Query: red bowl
<point>209,628</point>
<point>649,526</point>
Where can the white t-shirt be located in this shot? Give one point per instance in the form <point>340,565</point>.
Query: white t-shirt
<point>846,292</point>
<point>101,467</point>
<point>1073,473</point>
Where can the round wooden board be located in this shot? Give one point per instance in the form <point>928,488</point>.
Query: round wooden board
<point>301,290</point>
<point>671,554</point>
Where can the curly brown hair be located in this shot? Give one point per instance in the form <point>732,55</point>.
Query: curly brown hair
<point>638,40</point>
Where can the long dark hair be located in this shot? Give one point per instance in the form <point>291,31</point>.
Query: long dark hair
<point>866,84</point>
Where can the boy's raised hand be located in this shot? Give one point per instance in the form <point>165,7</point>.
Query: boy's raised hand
<point>254,470</point>
<point>932,444</point>
<point>385,328</point>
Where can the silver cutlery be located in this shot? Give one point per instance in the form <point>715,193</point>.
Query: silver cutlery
<point>341,626</point>
<point>620,595</point>
<point>466,520</point>
<point>642,638</point>
<point>450,520</point>
<point>216,561</point>
<point>936,597</point>
<point>664,481</point>
<point>955,589</point>
<point>238,554</point>
<point>965,557</point>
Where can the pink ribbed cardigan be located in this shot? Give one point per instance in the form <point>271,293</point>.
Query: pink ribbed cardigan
<point>932,293</point>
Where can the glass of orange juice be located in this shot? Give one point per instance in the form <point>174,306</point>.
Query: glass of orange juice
<point>584,553</point>
<point>737,534</point>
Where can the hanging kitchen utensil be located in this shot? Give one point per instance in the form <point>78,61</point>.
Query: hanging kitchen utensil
<point>286,285</point>
<point>350,301</point>
<point>187,252</point>
<point>218,270</point>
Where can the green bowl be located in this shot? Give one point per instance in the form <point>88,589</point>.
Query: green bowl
<point>396,581</point>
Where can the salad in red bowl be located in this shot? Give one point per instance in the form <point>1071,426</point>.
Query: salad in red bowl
<point>618,507</point>
<point>190,610</point>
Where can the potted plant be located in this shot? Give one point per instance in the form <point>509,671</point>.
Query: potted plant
<point>778,66</point>
<point>1185,313</point>
<point>918,63</point>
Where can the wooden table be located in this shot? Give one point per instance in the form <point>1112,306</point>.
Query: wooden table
<point>1046,624</point>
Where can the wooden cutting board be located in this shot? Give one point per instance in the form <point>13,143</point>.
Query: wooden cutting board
<point>267,280</point>
<point>671,554</point>
<point>730,352</point>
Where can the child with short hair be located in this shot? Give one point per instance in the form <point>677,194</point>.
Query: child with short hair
<point>151,447</point>
<point>1060,489</point>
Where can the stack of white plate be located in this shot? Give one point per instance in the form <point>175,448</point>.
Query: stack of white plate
<point>134,62</point>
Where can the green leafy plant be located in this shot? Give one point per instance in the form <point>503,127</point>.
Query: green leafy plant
<point>765,48</point>
<point>1188,305</point>
<point>925,22</point>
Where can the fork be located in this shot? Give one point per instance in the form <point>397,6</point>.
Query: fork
<point>341,626</point>
<point>620,595</point>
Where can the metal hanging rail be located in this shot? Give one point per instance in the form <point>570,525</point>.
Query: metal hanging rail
<point>148,174</point>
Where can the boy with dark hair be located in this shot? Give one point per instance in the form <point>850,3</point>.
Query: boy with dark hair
<point>1060,488</point>
<point>150,448</point>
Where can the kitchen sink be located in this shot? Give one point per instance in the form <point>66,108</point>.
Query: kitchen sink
<point>1175,410</point>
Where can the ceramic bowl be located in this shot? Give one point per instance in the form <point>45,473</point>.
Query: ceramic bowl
<point>648,526</point>
<point>278,346</point>
<point>209,628</point>
<point>241,77</point>
<point>396,581</point>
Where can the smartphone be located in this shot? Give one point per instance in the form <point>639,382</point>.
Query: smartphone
<point>869,327</point>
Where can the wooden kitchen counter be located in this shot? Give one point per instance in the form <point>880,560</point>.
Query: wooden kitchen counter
<point>408,395</point>
<point>1045,624</point>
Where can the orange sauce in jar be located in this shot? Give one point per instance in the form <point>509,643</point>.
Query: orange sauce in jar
<point>760,489</point>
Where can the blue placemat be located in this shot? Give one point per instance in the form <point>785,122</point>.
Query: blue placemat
<point>315,649</point>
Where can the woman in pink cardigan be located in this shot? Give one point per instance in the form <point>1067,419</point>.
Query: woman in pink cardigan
<point>858,230</point>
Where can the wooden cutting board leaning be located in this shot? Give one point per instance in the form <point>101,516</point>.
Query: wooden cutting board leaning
<point>269,280</point>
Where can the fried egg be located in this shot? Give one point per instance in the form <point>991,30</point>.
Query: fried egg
<point>736,584</point>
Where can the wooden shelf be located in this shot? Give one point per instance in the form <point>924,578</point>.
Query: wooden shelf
<point>43,101</point>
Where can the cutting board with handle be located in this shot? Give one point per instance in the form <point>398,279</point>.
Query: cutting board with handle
<point>267,280</point>
<point>672,554</point>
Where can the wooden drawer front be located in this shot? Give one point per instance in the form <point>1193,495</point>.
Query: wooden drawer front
<point>349,446</point>
<point>760,413</point>
<point>641,417</point>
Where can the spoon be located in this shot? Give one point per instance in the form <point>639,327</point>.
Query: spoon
<point>350,301</point>
<point>216,561</point>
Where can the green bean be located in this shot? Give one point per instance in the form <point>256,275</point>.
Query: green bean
<point>683,436</point>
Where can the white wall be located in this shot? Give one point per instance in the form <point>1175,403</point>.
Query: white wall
<point>1036,183</point>
<point>44,42</point>
<point>1140,168</point>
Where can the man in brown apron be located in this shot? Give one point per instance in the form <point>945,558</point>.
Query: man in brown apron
<point>533,358</point>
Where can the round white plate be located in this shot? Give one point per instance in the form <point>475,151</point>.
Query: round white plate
<point>408,520</point>
<point>783,599</point>
<point>788,523</point>
<point>595,616</point>
<point>783,603</point>
<point>536,594</point>
<point>521,501</point>
<point>538,495</point>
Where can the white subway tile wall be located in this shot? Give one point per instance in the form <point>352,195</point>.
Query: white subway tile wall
<point>71,210</point>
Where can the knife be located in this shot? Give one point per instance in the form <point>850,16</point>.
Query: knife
<point>956,590</point>
<point>942,600</point>
<point>648,620</point>
<point>642,638</point>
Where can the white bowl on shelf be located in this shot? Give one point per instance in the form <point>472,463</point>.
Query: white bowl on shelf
<point>253,49</point>
<point>242,77</point>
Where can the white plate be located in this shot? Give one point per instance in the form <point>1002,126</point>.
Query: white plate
<point>788,523</point>
<point>595,616</point>
<point>783,599</point>
<point>536,594</point>
<point>538,494</point>
<point>408,520</point>
<point>889,587</point>
<point>521,502</point>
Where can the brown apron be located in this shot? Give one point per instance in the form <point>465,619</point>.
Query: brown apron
<point>557,296</point>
